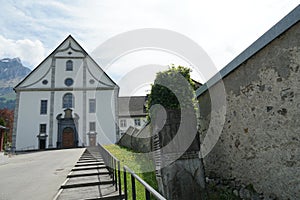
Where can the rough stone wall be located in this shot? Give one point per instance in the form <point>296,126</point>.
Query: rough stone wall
<point>179,171</point>
<point>260,140</point>
<point>141,141</point>
<point>137,140</point>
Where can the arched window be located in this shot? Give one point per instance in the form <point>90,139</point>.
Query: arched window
<point>69,65</point>
<point>68,101</point>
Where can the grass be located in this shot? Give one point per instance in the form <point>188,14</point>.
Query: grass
<point>142,165</point>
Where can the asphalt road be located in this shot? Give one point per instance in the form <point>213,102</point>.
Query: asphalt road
<point>36,176</point>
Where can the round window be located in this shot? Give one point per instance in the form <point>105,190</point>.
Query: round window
<point>45,82</point>
<point>69,82</point>
<point>92,81</point>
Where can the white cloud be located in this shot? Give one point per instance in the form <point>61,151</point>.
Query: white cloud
<point>222,28</point>
<point>217,26</point>
<point>30,52</point>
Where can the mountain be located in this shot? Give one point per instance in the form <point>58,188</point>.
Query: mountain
<point>12,72</point>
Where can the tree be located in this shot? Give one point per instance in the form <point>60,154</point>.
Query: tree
<point>173,89</point>
<point>175,138</point>
<point>7,120</point>
<point>2,122</point>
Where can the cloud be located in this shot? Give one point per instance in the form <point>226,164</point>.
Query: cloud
<point>215,25</point>
<point>31,52</point>
<point>47,21</point>
<point>222,28</point>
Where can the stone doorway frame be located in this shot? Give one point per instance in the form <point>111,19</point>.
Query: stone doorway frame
<point>68,121</point>
<point>92,138</point>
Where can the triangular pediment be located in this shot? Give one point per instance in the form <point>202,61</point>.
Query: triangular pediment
<point>48,74</point>
<point>69,48</point>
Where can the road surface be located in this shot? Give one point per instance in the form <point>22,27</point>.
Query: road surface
<point>36,176</point>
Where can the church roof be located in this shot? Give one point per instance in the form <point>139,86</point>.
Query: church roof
<point>70,37</point>
<point>132,106</point>
<point>282,26</point>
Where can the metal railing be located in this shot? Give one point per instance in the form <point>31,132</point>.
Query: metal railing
<point>148,189</point>
<point>114,167</point>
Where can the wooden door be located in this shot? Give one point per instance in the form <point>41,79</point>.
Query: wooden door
<point>43,143</point>
<point>68,138</point>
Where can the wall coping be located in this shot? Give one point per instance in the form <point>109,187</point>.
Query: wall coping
<point>279,28</point>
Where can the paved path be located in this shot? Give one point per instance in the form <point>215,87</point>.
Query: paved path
<point>36,176</point>
<point>89,179</point>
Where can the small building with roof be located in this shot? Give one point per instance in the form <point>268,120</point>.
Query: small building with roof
<point>132,112</point>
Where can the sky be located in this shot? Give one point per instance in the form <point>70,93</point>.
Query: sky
<point>31,30</point>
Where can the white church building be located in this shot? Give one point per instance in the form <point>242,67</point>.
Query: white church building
<point>66,101</point>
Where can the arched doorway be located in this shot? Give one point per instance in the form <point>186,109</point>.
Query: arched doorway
<point>68,138</point>
<point>67,135</point>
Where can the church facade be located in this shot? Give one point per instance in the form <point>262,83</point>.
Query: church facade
<point>66,101</point>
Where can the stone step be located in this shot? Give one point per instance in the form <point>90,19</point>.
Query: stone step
<point>89,171</point>
<point>76,185</point>
<point>89,164</point>
<point>113,197</point>
<point>90,192</point>
<point>88,174</point>
<point>86,157</point>
<point>89,161</point>
<point>89,179</point>
<point>88,168</point>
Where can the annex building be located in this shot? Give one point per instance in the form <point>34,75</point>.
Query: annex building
<point>66,101</point>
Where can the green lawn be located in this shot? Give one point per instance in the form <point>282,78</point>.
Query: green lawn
<point>139,163</point>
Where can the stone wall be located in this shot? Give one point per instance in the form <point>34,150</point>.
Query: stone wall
<point>126,138</point>
<point>137,140</point>
<point>179,170</point>
<point>260,140</point>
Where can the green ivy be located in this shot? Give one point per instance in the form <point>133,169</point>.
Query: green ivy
<point>2,122</point>
<point>175,80</point>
